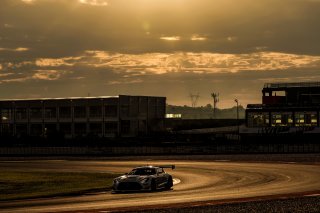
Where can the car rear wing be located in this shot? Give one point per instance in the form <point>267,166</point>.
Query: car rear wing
<point>168,166</point>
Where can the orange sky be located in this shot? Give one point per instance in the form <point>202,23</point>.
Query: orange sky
<point>59,48</point>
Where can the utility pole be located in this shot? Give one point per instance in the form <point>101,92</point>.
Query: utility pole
<point>236,100</point>
<point>215,97</point>
<point>194,99</point>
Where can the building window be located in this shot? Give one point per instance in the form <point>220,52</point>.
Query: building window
<point>281,119</point>
<point>50,113</point>
<point>125,110</point>
<point>173,115</point>
<point>111,127</point>
<point>125,127</point>
<point>256,119</point>
<point>22,130</point>
<point>95,128</point>
<point>111,111</point>
<point>50,129</point>
<point>143,106</point>
<point>142,126</point>
<point>21,114</point>
<point>7,129</point>
<point>6,115</point>
<point>65,112</point>
<point>80,129</point>
<point>95,111</point>
<point>306,119</point>
<point>35,113</point>
<point>65,128</point>
<point>36,129</point>
<point>80,112</point>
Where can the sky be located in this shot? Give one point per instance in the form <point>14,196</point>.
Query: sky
<point>171,48</point>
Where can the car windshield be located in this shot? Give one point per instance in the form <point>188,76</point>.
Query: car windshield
<point>143,171</point>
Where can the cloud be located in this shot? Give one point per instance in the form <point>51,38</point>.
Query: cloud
<point>135,65</point>
<point>60,28</point>
<point>8,26</point>
<point>170,38</point>
<point>125,81</point>
<point>197,38</point>
<point>159,63</point>
<point>28,1</point>
<point>94,2</point>
<point>173,75</point>
<point>117,49</point>
<point>15,80</point>
<point>47,74</point>
<point>232,38</point>
<point>56,62</point>
<point>21,49</point>
<point>18,49</point>
<point>5,74</point>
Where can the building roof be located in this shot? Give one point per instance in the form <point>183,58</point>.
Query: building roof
<point>65,98</point>
<point>291,85</point>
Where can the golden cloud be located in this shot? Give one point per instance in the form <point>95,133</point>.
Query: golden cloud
<point>56,62</point>
<point>28,1</point>
<point>197,38</point>
<point>47,74</point>
<point>125,81</point>
<point>15,80</point>
<point>94,2</point>
<point>130,65</point>
<point>18,49</point>
<point>170,38</point>
<point>159,63</point>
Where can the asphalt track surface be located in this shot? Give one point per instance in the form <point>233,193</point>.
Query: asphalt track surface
<point>199,182</point>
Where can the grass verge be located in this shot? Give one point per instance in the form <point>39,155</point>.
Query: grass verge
<point>25,185</point>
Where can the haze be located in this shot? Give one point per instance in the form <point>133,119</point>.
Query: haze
<point>62,48</point>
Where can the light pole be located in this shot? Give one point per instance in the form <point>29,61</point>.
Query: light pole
<point>236,100</point>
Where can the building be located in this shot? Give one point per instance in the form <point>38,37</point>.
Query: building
<point>123,116</point>
<point>290,105</point>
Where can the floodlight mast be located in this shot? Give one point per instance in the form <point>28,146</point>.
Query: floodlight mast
<point>215,97</point>
<point>237,101</point>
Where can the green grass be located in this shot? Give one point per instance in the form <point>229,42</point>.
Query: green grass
<point>24,185</point>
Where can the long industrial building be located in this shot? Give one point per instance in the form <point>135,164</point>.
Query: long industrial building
<point>290,106</point>
<point>119,116</point>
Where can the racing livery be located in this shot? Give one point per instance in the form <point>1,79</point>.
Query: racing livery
<point>144,178</point>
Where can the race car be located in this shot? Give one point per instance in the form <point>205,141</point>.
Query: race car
<point>144,178</point>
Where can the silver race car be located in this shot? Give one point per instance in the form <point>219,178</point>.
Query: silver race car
<point>144,178</point>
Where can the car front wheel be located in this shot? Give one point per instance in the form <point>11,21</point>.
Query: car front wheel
<point>153,185</point>
<point>169,183</point>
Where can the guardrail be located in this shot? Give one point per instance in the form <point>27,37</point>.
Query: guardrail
<point>235,148</point>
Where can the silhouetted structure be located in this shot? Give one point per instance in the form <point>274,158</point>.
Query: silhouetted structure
<point>194,99</point>
<point>215,97</point>
<point>123,116</point>
<point>286,105</point>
